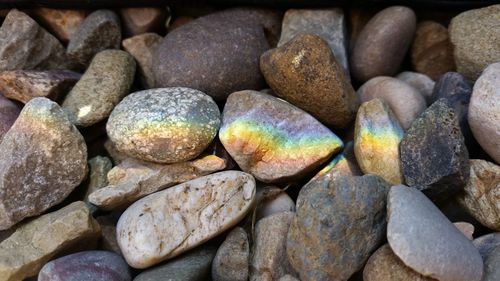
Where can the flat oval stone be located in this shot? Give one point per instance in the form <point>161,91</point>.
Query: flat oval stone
<point>272,139</point>
<point>8,115</point>
<point>167,223</point>
<point>231,263</point>
<point>419,81</point>
<point>88,265</point>
<point>426,241</point>
<point>383,42</point>
<point>165,125</point>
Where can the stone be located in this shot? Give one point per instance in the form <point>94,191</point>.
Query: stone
<point>433,153</point>
<point>484,111</point>
<point>133,179</point>
<point>26,45</point>
<point>217,54</point>
<point>344,162</point>
<point>231,263</point>
<point>87,265</point>
<point>33,244</point>
<point>143,19</point>
<point>178,22</point>
<point>63,23</point>
<point>358,18</point>
<point>431,51</point>
<point>99,31</point>
<point>487,243</point>
<point>99,166</point>
<point>423,83</point>
<point>466,228</point>
<point>305,73</point>
<point>169,222</point>
<point>272,200</point>
<point>489,248</point>
<point>24,85</point>
<point>379,53</point>
<point>108,232</point>
<point>340,221</point>
<point>377,135</point>
<point>426,241</point>
<point>481,196</point>
<point>165,125</point>
<point>474,35</point>
<point>45,155</point>
<point>405,101</point>
<point>142,48</point>
<point>113,152</point>
<point>105,82</point>
<point>329,24</point>
<point>8,115</point>
<point>288,277</point>
<point>272,139</point>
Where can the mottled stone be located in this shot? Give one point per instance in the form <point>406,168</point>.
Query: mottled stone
<point>231,263</point>
<point>99,166</point>
<point>184,216</point>
<point>383,42</point>
<point>272,139</point>
<point>8,115</point>
<point>489,248</point>
<point>423,83</point>
<point>426,241</point>
<point>45,155</point>
<point>475,37</point>
<point>272,200</point>
<point>305,72</point>
<point>466,228</point>
<point>24,85</point>
<point>63,23</point>
<point>165,125</point>
<point>33,244</point>
<point>142,48</point>
<point>143,19</point>
<point>340,221</point>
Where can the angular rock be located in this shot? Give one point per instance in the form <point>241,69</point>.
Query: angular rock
<point>272,139</point>
<point>272,200</point>
<point>8,115</point>
<point>344,162</point>
<point>166,125</point>
<point>419,81</point>
<point>142,48</point>
<point>45,155</point>
<point>143,19</point>
<point>63,23</point>
<point>33,244</point>
<point>99,167</point>
<point>305,72</point>
<point>231,263</point>
<point>183,217</point>
<point>489,248</point>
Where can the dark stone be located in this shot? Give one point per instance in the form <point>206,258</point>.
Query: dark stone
<point>8,115</point>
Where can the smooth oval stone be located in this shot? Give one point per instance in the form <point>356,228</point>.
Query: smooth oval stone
<point>45,155</point>
<point>142,48</point>
<point>105,82</point>
<point>405,101</point>
<point>167,223</point>
<point>272,200</point>
<point>426,241</point>
<point>475,37</point>
<point>383,42</point>
<point>376,141</point>
<point>139,20</point>
<point>305,73</point>
<point>8,115</point>
<point>165,125</point>
<point>88,265</point>
<point>233,256</point>
<point>419,81</point>
<point>272,139</point>
<point>484,111</point>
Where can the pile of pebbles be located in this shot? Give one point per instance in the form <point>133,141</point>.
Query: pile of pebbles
<point>195,143</point>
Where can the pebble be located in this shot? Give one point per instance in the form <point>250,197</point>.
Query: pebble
<point>8,115</point>
<point>24,85</point>
<point>33,244</point>
<point>466,228</point>
<point>405,101</point>
<point>105,82</point>
<point>45,155</point>
<point>84,266</point>
<point>379,53</point>
<point>489,248</point>
<point>143,19</point>
<point>142,48</point>
<point>431,51</point>
<point>272,200</point>
<point>376,141</point>
<point>305,73</point>
<point>231,263</point>
<point>423,83</point>
<point>344,162</point>
<point>165,125</point>
<point>426,241</point>
<point>475,37</point>
<point>340,221</point>
<point>484,111</point>
<point>63,23</point>
<point>99,166</point>
<point>99,31</point>
<point>272,139</point>
<point>108,232</point>
<point>167,223</point>
<point>288,277</point>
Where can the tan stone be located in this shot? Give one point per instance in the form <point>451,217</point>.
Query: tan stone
<point>143,19</point>
<point>142,48</point>
<point>61,22</point>
<point>466,228</point>
<point>272,200</point>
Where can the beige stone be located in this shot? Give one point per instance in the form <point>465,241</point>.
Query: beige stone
<point>142,48</point>
<point>272,200</point>
<point>466,228</point>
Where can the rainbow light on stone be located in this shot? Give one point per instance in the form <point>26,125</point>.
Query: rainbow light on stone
<point>339,162</point>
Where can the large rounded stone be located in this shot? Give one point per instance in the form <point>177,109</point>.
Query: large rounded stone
<point>8,115</point>
<point>231,263</point>
<point>165,125</point>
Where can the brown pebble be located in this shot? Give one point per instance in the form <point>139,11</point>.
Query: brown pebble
<point>60,22</point>
<point>144,19</point>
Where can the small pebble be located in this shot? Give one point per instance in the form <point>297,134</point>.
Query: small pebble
<point>63,23</point>
<point>142,48</point>
<point>466,228</point>
<point>231,263</point>
<point>272,200</point>
<point>8,115</point>
<point>143,19</point>
<point>108,232</point>
<point>99,167</point>
<point>419,81</point>
<point>344,162</point>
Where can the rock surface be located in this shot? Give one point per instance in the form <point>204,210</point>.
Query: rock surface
<point>272,200</point>
<point>63,23</point>
<point>142,48</point>
<point>143,19</point>
<point>108,232</point>
<point>419,81</point>
<point>231,263</point>
<point>344,162</point>
<point>489,248</point>
<point>466,228</point>
<point>8,115</point>
<point>99,167</point>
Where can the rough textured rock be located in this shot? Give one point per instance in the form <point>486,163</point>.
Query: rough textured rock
<point>8,115</point>
<point>413,221</point>
<point>33,244</point>
<point>475,37</point>
<point>484,111</point>
<point>344,162</point>
<point>272,200</point>
<point>383,42</point>
<point>231,263</point>
<point>165,125</point>
<point>184,216</point>
<point>433,153</point>
<point>340,221</point>
<point>489,248</point>
<point>143,19</point>
<point>419,81</point>
<point>431,52</point>
<point>305,72</point>
<point>142,48</point>
<point>87,265</point>
<point>272,139</point>
<point>377,135</point>
<point>62,23</point>
<point>24,85</point>
<point>99,167</point>
<point>45,155</point>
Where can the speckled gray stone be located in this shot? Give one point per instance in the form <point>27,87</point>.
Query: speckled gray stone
<point>233,256</point>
